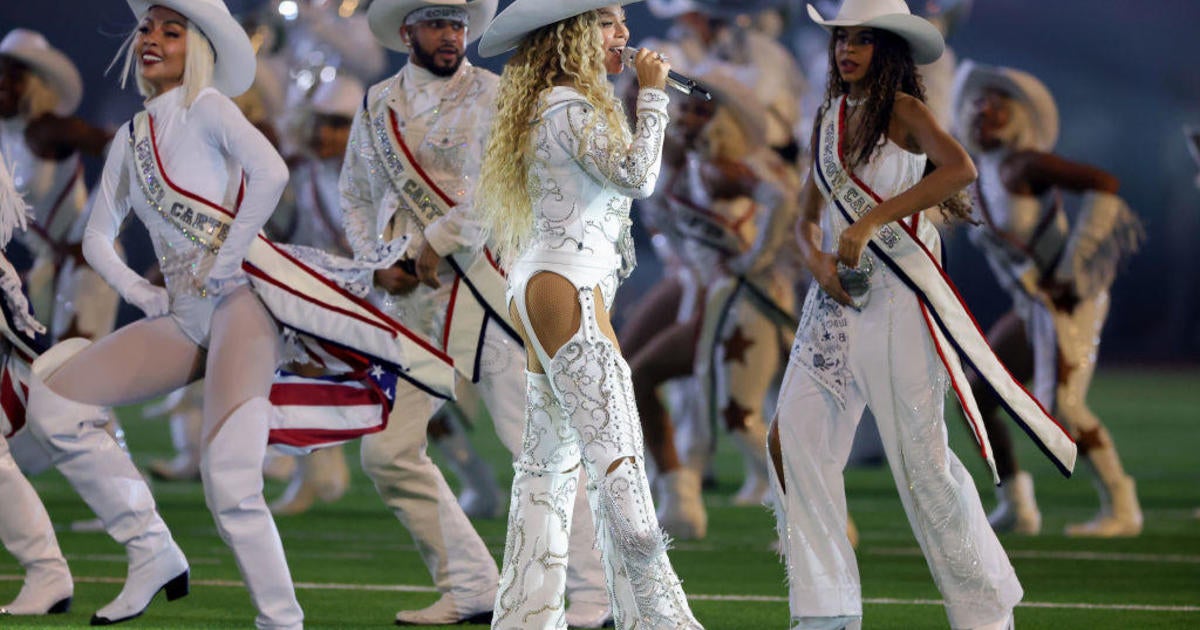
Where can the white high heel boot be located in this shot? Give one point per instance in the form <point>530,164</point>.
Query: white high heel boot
<point>592,383</point>
<point>533,579</point>
<point>111,485</point>
<point>231,467</point>
<point>26,532</point>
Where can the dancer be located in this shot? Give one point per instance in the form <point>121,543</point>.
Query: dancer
<point>25,528</point>
<point>729,199</point>
<point>39,91</point>
<point>885,330</point>
<point>555,196</point>
<point>1058,275</point>
<point>413,159</point>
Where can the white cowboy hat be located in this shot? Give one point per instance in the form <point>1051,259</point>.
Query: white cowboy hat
<point>340,97</point>
<point>387,16</point>
<point>730,93</point>
<point>60,75</point>
<point>523,17</point>
<point>893,16</point>
<point>972,78</point>
<point>233,72</point>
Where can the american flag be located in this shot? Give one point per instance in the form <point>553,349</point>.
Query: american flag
<point>316,411</point>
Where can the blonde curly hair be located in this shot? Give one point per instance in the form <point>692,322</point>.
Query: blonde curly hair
<point>571,53</point>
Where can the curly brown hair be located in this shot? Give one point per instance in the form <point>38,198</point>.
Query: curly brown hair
<point>891,71</point>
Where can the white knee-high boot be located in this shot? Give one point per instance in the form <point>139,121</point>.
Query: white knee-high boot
<point>231,468</point>
<point>110,484</point>
<point>545,484</point>
<point>26,532</point>
<point>592,383</point>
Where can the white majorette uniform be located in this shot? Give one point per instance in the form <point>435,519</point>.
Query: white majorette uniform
<point>895,355</point>
<point>203,180</point>
<point>25,528</point>
<point>1028,241</point>
<point>60,287</point>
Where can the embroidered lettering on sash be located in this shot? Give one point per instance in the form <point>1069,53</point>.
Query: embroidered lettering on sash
<point>206,226</point>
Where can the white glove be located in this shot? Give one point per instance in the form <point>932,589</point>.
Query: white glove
<point>227,284</point>
<point>153,300</point>
<point>19,306</point>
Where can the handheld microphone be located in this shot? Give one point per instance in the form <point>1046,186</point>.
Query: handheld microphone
<point>674,79</point>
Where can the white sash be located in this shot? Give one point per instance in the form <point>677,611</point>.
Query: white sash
<point>301,299</point>
<point>955,333</point>
<point>479,289</point>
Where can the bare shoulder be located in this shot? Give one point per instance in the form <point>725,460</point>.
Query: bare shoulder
<point>911,110</point>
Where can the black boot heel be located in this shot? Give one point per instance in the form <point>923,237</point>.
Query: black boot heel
<point>61,606</point>
<point>177,587</point>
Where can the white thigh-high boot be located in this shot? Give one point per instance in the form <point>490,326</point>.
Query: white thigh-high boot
<point>545,484</point>
<point>503,389</point>
<point>231,468</point>
<point>110,484</point>
<point>592,383</point>
<point>26,532</point>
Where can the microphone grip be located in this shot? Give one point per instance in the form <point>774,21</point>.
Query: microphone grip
<point>674,79</point>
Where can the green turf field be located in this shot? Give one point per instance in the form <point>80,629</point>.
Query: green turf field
<point>354,565</point>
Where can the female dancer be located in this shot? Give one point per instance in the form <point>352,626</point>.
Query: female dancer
<point>1058,275</point>
<point>207,322</point>
<point>559,214</point>
<point>881,347</point>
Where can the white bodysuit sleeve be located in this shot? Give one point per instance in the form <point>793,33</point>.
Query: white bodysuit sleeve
<point>110,204</point>
<point>633,169</point>
<point>266,175</point>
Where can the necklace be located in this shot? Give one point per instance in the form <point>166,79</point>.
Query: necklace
<point>855,102</point>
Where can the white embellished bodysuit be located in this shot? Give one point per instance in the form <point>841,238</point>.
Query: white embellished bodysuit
<point>582,186</point>
<point>207,149</point>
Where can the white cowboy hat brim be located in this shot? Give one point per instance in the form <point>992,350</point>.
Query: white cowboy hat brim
<point>923,38</point>
<point>523,17</point>
<point>972,78</point>
<point>58,72</point>
<point>235,64</point>
<point>387,16</point>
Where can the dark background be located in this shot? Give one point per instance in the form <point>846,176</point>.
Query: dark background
<point>1125,75</point>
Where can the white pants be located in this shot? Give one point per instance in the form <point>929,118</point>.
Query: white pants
<point>895,371</point>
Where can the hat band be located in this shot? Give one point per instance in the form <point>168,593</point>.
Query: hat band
<point>426,14</point>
